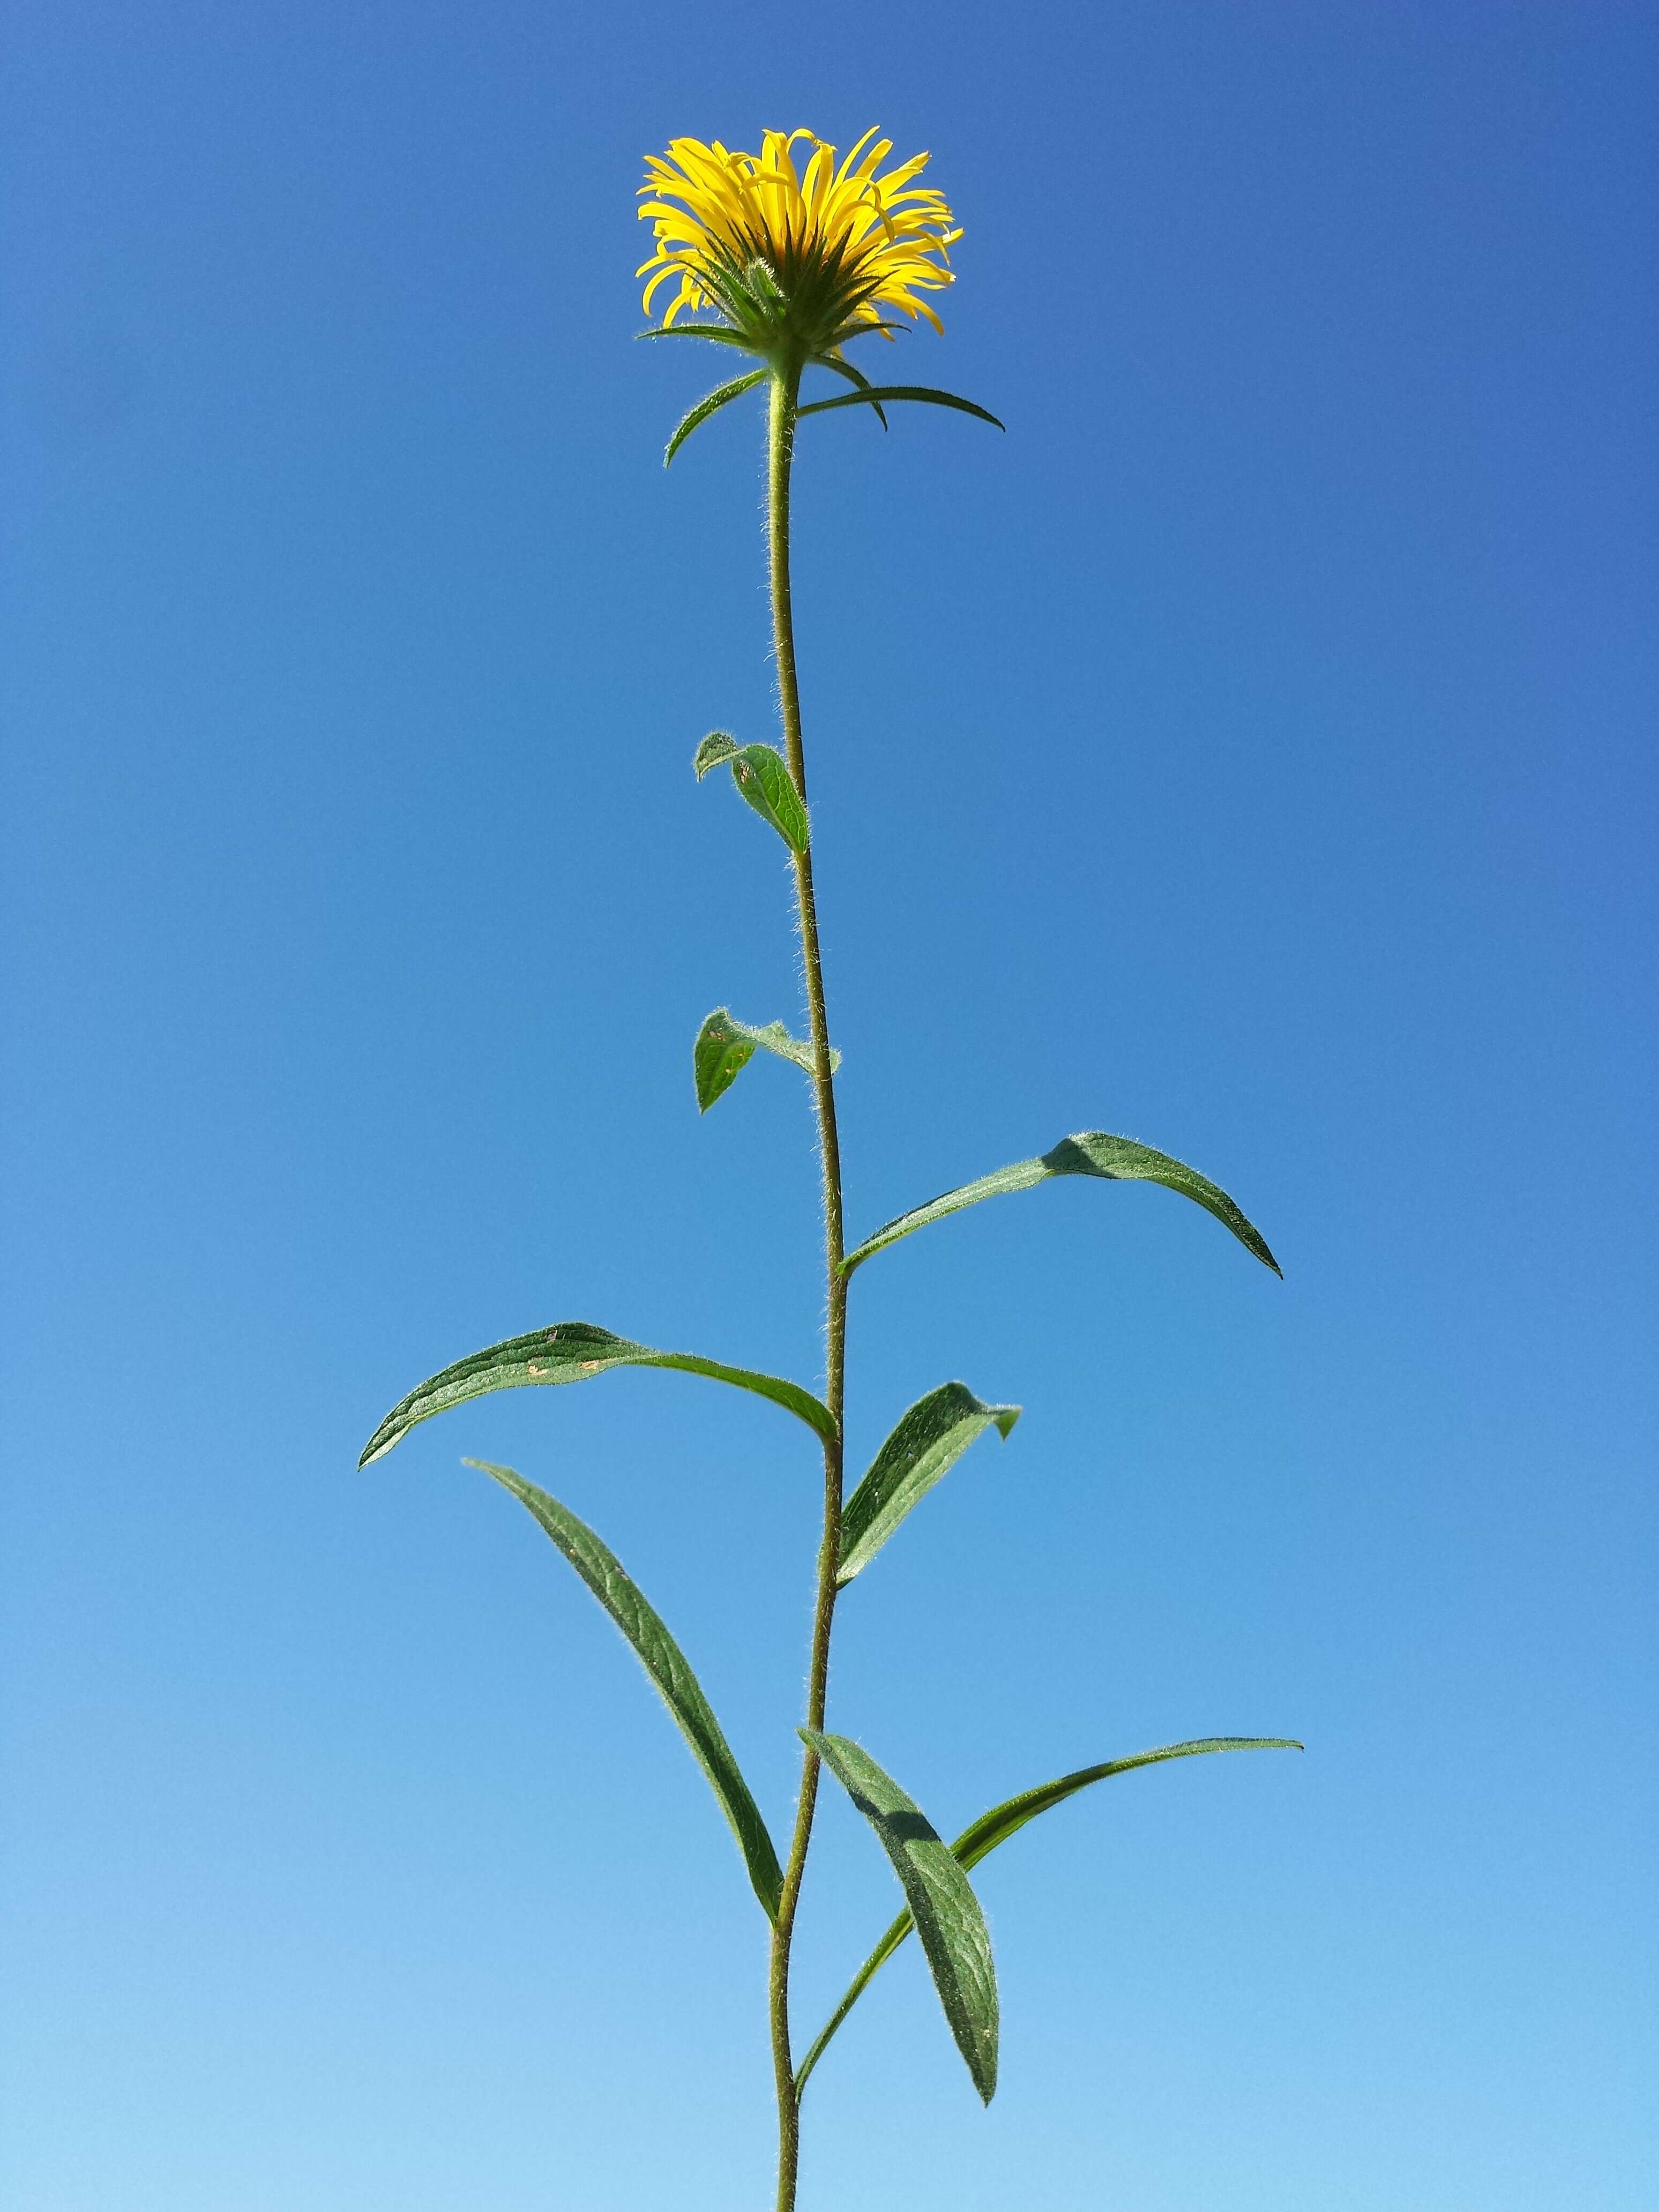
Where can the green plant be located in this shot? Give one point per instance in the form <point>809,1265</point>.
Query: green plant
<point>795,266</point>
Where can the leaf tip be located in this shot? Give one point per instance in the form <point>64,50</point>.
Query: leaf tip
<point>379,1445</point>
<point>719,745</point>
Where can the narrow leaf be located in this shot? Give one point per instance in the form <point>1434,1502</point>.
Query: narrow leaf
<point>715,332</point>
<point>1091,1153</point>
<point>705,408</point>
<point>854,376</point>
<point>942,1908</point>
<point>851,331</point>
<point>879,392</point>
<point>926,1443</point>
<point>665,1663</point>
<point>725,1046</point>
<point>572,1351</point>
<point>994,1827</point>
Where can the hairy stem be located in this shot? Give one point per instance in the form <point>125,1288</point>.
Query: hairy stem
<point>780,440</point>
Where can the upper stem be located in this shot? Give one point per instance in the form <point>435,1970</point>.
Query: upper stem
<point>780,440</point>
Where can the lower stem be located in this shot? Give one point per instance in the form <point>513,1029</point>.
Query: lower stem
<point>779,456</point>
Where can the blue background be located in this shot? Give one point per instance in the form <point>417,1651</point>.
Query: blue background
<point>1251,751</point>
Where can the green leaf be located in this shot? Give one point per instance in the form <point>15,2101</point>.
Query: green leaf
<point>942,1908</point>
<point>851,331</point>
<point>705,408</point>
<point>879,392</point>
<point>715,332</point>
<point>926,1443</point>
<point>719,745</point>
<point>725,1046</point>
<point>1090,1152</point>
<point>572,1351</point>
<point>763,778</point>
<point>842,366</point>
<point>994,1827</point>
<point>665,1663</point>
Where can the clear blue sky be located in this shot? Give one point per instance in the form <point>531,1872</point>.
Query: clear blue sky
<point>1251,751</point>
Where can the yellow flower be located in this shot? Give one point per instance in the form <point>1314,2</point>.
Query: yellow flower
<point>794,261</point>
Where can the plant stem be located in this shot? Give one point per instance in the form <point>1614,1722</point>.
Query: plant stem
<point>780,444</point>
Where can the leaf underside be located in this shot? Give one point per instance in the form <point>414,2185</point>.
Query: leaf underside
<point>573,1352</point>
<point>725,1046</point>
<point>942,1908</point>
<point>1090,1152</point>
<point>669,1672</point>
<point>929,1440</point>
<point>979,1840</point>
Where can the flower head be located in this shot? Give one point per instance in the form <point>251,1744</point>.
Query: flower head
<point>794,261</point>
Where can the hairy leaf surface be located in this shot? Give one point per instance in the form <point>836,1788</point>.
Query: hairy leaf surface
<point>926,1443</point>
<point>572,1351</point>
<point>762,775</point>
<point>707,406</point>
<point>1090,1152</point>
<point>982,1837</point>
<point>667,1665</point>
<point>942,1908</point>
<point>725,1046</point>
<point>713,332</point>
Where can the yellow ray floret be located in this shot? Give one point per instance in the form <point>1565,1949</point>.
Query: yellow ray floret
<point>795,256</point>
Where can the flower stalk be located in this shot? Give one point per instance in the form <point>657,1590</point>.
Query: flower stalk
<point>780,446</point>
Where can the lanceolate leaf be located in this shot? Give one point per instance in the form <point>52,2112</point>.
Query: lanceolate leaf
<point>878,393</point>
<point>665,1663</point>
<point>713,332</point>
<point>926,1443</point>
<point>944,1910</point>
<point>705,408</point>
<point>842,366</point>
<point>572,1351</point>
<point>725,1046</point>
<point>1091,1153</point>
<point>762,776</point>
<point>1004,1820</point>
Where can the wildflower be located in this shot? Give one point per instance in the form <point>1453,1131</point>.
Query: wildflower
<point>792,263</point>
<point>795,261</point>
